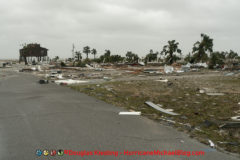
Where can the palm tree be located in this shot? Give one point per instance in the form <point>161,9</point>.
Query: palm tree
<point>78,55</point>
<point>232,55</point>
<point>107,55</point>
<point>94,52</point>
<point>131,57</point>
<point>169,50</point>
<point>56,58</point>
<point>86,50</point>
<point>151,56</point>
<point>200,49</point>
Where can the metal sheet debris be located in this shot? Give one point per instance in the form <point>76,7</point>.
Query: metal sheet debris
<point>236,118</point>
<point>160,109</point>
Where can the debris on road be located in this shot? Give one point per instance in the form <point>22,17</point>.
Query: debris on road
<point>130,113</point>
<point>182,141</point>
<point>42,81</point>
<point>211,143</point>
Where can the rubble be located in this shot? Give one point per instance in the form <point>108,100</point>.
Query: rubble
<point>168,69</point>
<point>39,68</point>
<point>186,67</point>
<point>5,65</point>
<point>184,91</point>
<point>199,65</point>
<point>69,82</point>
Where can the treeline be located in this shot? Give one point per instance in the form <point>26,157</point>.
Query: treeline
<point>202,51</point>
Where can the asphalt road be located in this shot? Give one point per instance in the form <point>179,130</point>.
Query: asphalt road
<point>34,116</point>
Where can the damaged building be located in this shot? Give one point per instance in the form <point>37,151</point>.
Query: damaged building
<point>32,53</point>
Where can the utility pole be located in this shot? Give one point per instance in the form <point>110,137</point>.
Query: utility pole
<point>73,51</point>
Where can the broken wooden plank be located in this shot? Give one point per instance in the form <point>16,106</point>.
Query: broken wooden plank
<point>160,109</point>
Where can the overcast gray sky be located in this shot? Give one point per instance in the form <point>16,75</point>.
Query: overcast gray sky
<point>118,25</point>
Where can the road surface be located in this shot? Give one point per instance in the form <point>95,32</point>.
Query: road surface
<point>34,116</point>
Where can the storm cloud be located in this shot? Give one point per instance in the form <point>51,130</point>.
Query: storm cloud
<point>118,25</point>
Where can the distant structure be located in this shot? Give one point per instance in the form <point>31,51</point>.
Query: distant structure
<point>33,52</point>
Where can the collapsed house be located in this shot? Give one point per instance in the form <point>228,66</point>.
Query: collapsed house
<point>33,53</point>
